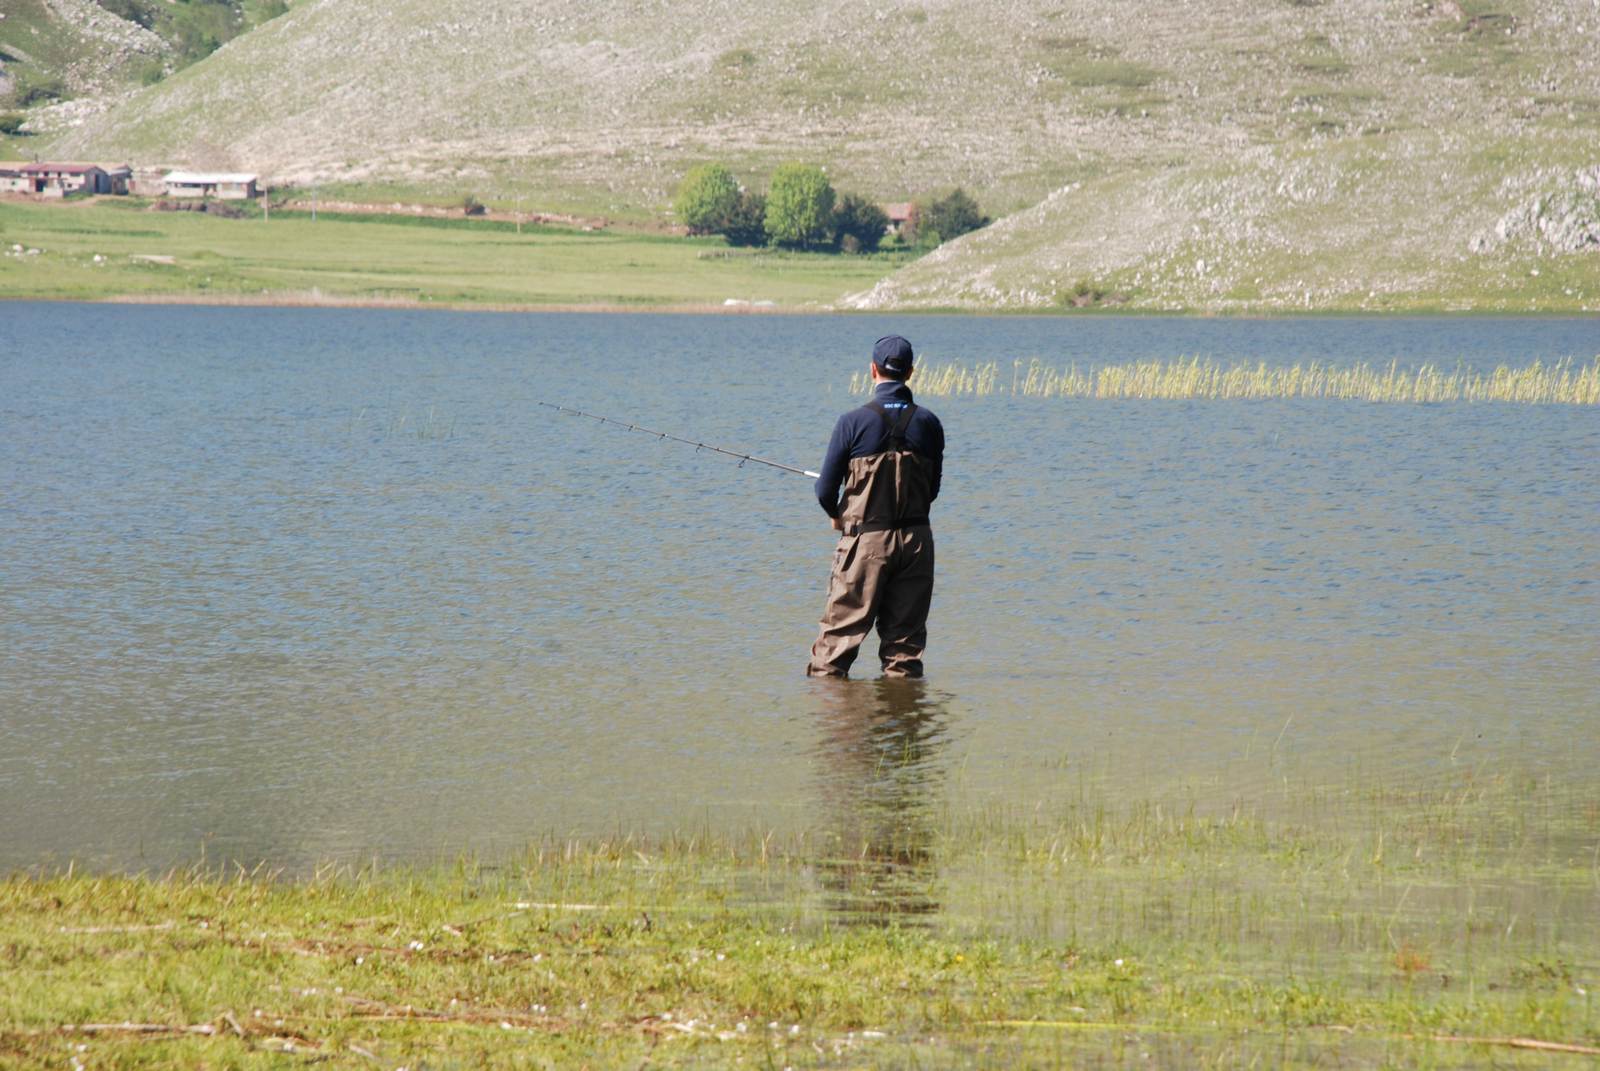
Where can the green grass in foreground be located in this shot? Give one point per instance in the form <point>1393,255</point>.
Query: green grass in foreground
<point>1447,926</point>
<point>370,259</point>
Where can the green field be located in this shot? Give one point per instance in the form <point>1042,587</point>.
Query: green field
<point>1444,923</point>
<point>395,259</point>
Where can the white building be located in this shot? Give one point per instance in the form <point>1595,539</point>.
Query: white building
<point>224,185</point>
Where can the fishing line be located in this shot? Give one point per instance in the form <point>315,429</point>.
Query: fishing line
<point>743,457</point>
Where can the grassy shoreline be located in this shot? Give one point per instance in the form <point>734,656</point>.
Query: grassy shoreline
<point>117,250</point>
<point>293,300</point>
<point>1448,924</point>
<point>315,300</point>
<point>111,249</point>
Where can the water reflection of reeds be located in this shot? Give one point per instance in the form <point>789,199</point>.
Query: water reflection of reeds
<point>1556,383</point>
<point>880,776</point>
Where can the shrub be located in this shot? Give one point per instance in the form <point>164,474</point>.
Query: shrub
<point>707,197</point>
<point>859,224</point>
<point>471,206</point>
<point>799,205</point>
<point>29,88</point>
<point>11,123</point>
<point>197,40</point>
<point>1083,294</point>
<point>949,217</point>
<point>747,223</point>
<point>130,10</point>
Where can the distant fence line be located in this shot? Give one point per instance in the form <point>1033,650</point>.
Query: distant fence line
<point>1557,383</point>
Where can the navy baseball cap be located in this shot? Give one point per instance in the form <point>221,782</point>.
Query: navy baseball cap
<point>892,354</point>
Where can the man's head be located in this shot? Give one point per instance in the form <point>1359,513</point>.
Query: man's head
<point>892,359</point>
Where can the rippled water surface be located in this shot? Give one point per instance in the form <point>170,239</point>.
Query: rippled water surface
<point>293,584</point>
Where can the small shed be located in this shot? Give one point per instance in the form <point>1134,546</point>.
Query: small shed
<point>899,215</point>
<point>119,178</point>
<point>65,180</point>
<point>223,185</point>
<point>14,181</point>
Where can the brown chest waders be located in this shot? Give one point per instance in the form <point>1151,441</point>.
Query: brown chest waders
<point>883,567</point>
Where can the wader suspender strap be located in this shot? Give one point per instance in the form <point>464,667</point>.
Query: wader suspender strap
<point>897,427</point>
<point>897,442</point>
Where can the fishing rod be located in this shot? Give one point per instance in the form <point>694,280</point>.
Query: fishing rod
<point>688,442</point>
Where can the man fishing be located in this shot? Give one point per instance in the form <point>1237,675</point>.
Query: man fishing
<point>889,455</point>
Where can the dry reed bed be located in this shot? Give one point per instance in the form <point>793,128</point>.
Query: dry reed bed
<point>1539,383</point>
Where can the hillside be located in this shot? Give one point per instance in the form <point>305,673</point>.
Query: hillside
<point>70,48</point>
<point>1292,153</point>
<point>64,60</point>
<point>1404,221</point>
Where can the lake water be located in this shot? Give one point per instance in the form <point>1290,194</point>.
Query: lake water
<point>327,584</point>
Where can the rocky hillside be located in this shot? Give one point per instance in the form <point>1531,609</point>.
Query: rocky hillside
<point>62,61</point>
<point>1415,220</point>
<point>70,48</point>
<point>1218,153</point>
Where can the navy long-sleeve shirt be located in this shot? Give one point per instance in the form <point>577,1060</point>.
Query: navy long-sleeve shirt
<point>862,433</point>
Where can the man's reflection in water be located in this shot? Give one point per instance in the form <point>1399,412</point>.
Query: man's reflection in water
<point>881,778</point>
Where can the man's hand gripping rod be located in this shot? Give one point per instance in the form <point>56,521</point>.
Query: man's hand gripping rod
<point>688,442</point>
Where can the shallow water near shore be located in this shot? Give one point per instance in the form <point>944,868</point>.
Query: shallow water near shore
<point>294,585</point>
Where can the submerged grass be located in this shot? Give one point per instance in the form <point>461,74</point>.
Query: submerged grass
<point>1446,924</point>
<point>1557,383</point>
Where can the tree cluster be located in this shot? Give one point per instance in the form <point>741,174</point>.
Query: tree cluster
<point>944,218</point>
<point>800,210</point>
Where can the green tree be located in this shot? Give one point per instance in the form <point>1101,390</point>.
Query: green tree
<point>799,205</point>
<point>859,224</point>
<point>707,197</point>
<point>949,217</point>
<point>747,223</point>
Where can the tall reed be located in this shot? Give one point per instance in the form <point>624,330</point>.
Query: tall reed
<point>1556,383</point>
